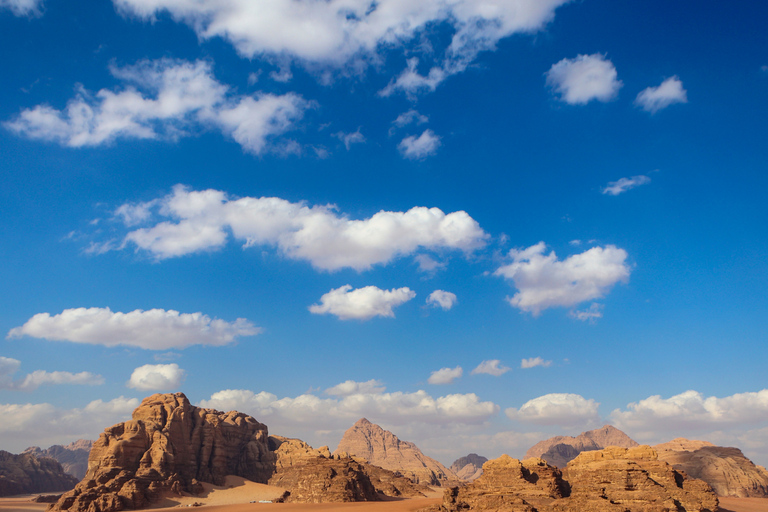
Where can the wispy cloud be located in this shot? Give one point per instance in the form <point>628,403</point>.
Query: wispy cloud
<point>445,375</point>
<point>491,367</point>
<point>615,188</point>
<point>418,148</point>
<point>653,99</point>
<point>534,362</point>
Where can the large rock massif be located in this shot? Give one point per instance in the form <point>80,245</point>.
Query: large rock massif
<point>27,474</point>
<point>382,448</point>
<point>470,467</point>
<point>560,450</point>
<point>72,457</point>
<point>610,480</point>
<point>727,470</point>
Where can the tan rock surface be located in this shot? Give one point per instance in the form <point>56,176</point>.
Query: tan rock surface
<point>609,480</point>
<point>321,480</point>
<point>469,468</point>
<point>560,450</point>
<point>25,473</point>
<point>727,470</point>
<point>384,449</point>
<point>72,457</point>
<point>168,445</point>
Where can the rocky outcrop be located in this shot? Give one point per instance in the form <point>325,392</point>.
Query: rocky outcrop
<point>560,450</point>
<point>609,480</point>
<point>27,474</point>
<point>168,446</point>
<point>382,448</point>
<point>72,457</point>
<point>342,480</point>
<point>726,470</point>
<point>469,468</point>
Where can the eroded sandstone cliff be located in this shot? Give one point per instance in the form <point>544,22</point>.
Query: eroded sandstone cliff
<point>560,450</point>
<point>72,457</point>
<point>26,474</point>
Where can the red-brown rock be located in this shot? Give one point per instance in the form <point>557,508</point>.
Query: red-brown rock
<point>560,450</point>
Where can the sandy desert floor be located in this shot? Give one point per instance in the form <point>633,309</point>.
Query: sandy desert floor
<point>236,495</point>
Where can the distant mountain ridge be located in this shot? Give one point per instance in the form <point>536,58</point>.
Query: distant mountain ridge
<point>27,474</point>
<point>72,457</point>
<point>560,450</point>
<point>470,467</point>
<point>384,449</point>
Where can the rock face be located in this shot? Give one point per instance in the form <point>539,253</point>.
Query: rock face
<point>315,476</point>
<point>72,457</point>
<point>168,445</point>
<point>382,448</point>
<point>26,474</point>
<point>609,480</point>
<point>560,450</point>
<point>726,470</point>
<point>469,468</point>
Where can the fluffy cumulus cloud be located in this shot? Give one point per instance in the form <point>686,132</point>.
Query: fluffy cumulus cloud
<point>24,425</point>
<point>22,7</point>
<point>445,375</point>
<point>341,34</point>
<point>202,220</point>
<point>543,281</point>
<point>157,377</point>
<point>419,148</point>
<point>164,99</point>
<point>442,299</point>
<point>350,387</point>
<point>340,412</point>
<point>491,367</point>
<point>615,188</point>
<point>563,409</point>
<point>692,411</point>
<point>361,303</point>
<point>583,79</point>
<point>653,99</point>
<point>32,381</point>
<point>533,362</point>
<point>154,329</point>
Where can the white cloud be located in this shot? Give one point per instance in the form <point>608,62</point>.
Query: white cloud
<point>692,410</point>
<point>445,375</point>
<point>352,33</point>
<point>201,221</point>
<point>331,413</point>
<point>418,148</point>
<point>544,281</point>
<point>350,387</point>
<point>583,79</point>
<point>563,409</point>
<point>441,299</point>
<point>615,188</point>
<point>410,117</point>
<point>163,99</point>
<point>592,313</point>
<point>157,377</point>
<point>32,381</point>
<point>22,7</point>
<point>24,425</point>
<point>428,264</point>
<point>653,99</point>
<point>491,367</point>
<point>361,303</point>
<point>350,138</point>
<point>534,362</point>
<point>154,329</point>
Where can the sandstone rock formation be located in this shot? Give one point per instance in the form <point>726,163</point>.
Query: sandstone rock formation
<point>382,448</point>
<point>726,470</point>
<point>26,474</point>
<point>469,468</point>
<point>168,445</point>
<point>314,475</point>
<point>72,457</point>
<point>609,480</point>
<point>560,450</point>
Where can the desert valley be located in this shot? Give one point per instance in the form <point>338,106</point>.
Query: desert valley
<point>174,454</point>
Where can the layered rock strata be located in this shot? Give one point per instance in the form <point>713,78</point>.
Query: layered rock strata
<point>726,470</point>
<point>382,448</point>
<point>72,457</point>
<point>560,450</point>
<point>27,474</point>
<point>469,468</point>
<point>609,480</point>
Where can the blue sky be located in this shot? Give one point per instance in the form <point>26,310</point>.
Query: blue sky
<point>478,224</point>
